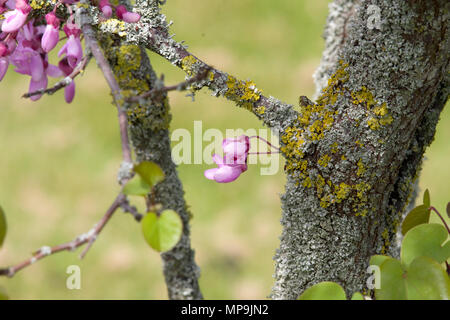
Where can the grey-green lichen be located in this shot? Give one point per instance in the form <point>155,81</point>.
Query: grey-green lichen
<point>353,158</point>
<point>149,120</point>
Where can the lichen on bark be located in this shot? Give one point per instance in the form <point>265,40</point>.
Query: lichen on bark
<point>148,122</point>
<point>346,191</point>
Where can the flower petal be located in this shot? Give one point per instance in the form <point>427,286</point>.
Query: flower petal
<point>37,85</point>
<point>50,38</point>
<point>227,174</point>
<point>14,20</point>
<point>209,174</point>
<point>54,71</point>
<point>4,63</point>
<point>69,92</point>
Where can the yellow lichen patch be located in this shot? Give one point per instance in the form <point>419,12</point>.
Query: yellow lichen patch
<point>261,110</point>
<point>129,61</point>
<point>187,64</point>
<point>307,182</point>
<point>362,213</point>
<point>313,120</point>
<point>342,191</point>
<point>211,75</point>
<point>82,5</point>
<point>359,143</point>
<point>380,114</point>
<point>373,123</point>
<point>115,26</point>
<point>320,183</point>
<point>323,160</point>
<point>361,168</point>
<point>334,147</point>
<point>364,96</point>
<point>243,93</point>
<point>381,110</point>
<point>387,243</point>
<point>387,119</point>
<point>36,4</point>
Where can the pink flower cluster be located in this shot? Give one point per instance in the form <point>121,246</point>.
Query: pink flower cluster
<point>25,43</point>
<point>234,161</point>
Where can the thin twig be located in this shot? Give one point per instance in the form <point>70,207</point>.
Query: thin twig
<point>271,145</point>
<point>64,82</point>
<point>99,227</point>
<point>88,237</point>
<point>126,207</point>
<point>179,87</point>
<point>442,219</point>
<point>103,64</point>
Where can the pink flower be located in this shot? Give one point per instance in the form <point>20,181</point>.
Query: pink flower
<point>69,90</point>
<point>236,150</point>
<point>123,14</point>
<point>234,161</point>
<point>72,48</point>
<point>4,61</point>
<point>51,33</point>
<point>106,8</point>
<point>15,19</point>
<point>223,173</point>
<point>30,59</point>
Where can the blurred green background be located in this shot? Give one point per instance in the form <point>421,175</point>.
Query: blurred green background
<point>59,162</point>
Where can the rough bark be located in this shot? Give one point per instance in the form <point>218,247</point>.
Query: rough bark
<point>347,189</point>
<point>352,156</point>
<point>148,122</point>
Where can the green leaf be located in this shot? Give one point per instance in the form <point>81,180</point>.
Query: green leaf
<point>150,172</point>
<point>162,232</point>
<point>136,187</point>
<point>324,291</point>
<point>426,199</point>
<point>357,296</point>
<point>377,260</point>
<point>426,240</point>
<point>418,215</point>
<point>3,226</point>
<point>392,286</point>
<point>427,280</point>
<point>3,294</point>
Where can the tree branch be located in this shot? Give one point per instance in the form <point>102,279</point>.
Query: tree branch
<point>91,42</point>
<point>64,82</point>
<point>85,238</point>
<point>179,87</point>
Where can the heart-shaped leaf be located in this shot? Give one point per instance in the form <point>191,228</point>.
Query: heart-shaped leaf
<point>357,296</point>
<point>136,187</point>
<point>426,240</point>
<point>150,172</point>
<point>418,215</point>
<point>377,260</point>
<point>3,226</point>
<point>427,280</point>
<point>392,286</point>
<point>324,291</point>
<point>162,232</point>
<point>423,279</point>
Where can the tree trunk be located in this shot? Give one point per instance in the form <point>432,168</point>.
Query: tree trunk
<point>353,156</point>
<point>148,122</point>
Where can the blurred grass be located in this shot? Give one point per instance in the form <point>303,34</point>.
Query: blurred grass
<point>59,162</point>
